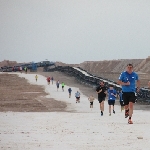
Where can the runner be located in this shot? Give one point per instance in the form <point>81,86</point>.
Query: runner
<point>101,91</point>
<point>91,99</point>
<point>48,80</point>
<point>20,69</point>
<point>77,95</point>
<point>69,90</point>
<point>52,79</point>
<point>63,85</point>
<point>36,77</point>
<point>128,80</point>
<point>112,94</point>
<point>57,84</point>
<point>26,69</point>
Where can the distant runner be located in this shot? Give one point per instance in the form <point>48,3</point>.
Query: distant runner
<point>48,80</point>
<point>69,90</point>
<point>63,85</point>
<point>112,94</point>
<point>25,69</point>
<point>52,79</point>
<point>91,99</point>
<point>20,69</point>
<point>77,95</point>
<point>57,84</point>
<point>36,77</point>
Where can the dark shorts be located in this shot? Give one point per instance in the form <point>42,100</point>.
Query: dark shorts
<point>58,86</point>
<point>100,99</point>
<point>77,98</point>
<point>129,97</point>
<point>91,103</point>
<point>62,87</point>
<point>111,102</point>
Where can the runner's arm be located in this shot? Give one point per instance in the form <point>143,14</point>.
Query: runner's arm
<point>122,83</point>
<point>99,91</point>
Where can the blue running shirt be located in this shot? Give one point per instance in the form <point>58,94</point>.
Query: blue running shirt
<point>111,97</point>
<point>125,77</point>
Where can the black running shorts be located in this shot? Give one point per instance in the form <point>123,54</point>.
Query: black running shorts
<point>111,102</point>
<point>78,98</point>
<point>91,103</point>
<point>129,97</point>
<point>100,99</point>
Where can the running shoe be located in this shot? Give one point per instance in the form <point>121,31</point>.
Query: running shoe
<point>113,111</point>
<point>101,113</point>
<point>109,114</point>
<point>126,113</point>
<point>130,121</point>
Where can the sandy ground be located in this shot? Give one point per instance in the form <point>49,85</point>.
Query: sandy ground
<point>76,127</point>
<point>16,94</point>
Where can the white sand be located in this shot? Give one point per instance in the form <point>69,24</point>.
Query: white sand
<point>81,130</point>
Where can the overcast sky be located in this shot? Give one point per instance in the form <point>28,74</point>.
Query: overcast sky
<point>73,31</point>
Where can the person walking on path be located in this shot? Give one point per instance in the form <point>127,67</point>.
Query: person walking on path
<point>52,79</point>
<point>121,100</point>
<point>20,69</point>
<point>69,90</point>
<point>91,99</point>
<point>77,95</point>
<point>48,80</point>
<point>57,84</point>
<point>112,94</point>
<point>128,80</point>
<point>101,91</point>
<point>26,69</point>
<point>63,85</point>
<point>36,77</point>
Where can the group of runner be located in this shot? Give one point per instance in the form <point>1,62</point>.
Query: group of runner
<point>112,94</point>
<point>49,79</point>
<point>14,69</point>
<point>77,95</point>
<point>130,83</point>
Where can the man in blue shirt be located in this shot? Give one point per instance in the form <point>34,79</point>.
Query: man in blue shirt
<point>128,81</point>
<point>112,94</point>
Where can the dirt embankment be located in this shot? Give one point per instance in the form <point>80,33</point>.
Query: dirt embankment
<point>16,94</point>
